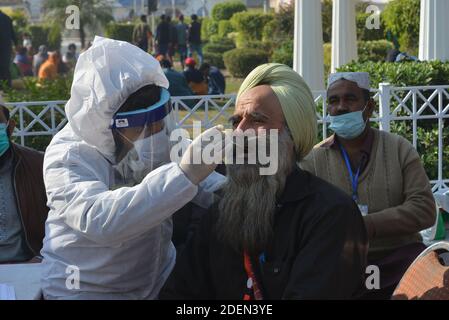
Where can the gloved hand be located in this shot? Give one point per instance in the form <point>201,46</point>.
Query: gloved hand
<point>193,164</point>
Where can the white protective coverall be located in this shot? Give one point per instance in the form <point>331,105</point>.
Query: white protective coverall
<point>118,240</point>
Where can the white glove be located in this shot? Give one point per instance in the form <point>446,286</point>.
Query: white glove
<point>203,154</point>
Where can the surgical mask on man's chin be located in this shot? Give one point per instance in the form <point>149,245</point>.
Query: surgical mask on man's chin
<point>349,125</point>
<point>149,154</point>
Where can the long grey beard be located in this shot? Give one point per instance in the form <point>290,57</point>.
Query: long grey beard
<point>246,211</point>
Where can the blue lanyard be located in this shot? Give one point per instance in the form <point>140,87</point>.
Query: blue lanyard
<point>354,178</point>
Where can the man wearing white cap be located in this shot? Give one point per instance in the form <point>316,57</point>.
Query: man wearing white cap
<point>381,171</point>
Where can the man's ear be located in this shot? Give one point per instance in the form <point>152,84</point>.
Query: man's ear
<point>11,126</point>
<point>370,105</point>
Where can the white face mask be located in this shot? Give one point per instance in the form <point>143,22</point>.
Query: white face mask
<point>151,152</point>
<point>146,155</point>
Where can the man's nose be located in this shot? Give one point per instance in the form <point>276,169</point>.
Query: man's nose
<point>243,125</point>
<point>342,108</point>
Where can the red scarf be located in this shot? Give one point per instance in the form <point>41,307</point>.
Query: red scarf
<point>252,284</point>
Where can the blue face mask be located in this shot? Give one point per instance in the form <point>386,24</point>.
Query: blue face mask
<point>4,140</point>
<point>349,125</point>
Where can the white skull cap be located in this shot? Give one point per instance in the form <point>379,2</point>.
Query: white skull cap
<point>361,78</point>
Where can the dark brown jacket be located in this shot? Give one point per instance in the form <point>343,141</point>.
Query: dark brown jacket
<point>30,194</point>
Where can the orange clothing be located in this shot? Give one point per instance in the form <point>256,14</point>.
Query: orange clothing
<point>49,69</point>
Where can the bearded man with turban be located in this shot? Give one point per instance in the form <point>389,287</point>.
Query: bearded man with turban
<point>289,235</point>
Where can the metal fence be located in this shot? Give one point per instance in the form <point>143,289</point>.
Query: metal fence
<point>415,106</point>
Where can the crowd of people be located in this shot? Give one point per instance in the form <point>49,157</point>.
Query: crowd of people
<point>107,197</point>
<point>20,59</point>
<point>179,39</point>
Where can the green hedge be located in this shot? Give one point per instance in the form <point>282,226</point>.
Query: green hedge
<point>120,31</point>
<point>213,52</point>
<point>58,89</point>
<point>217,47</point>
<point>250,25</point>
<point>365,34</point>
<point>240,62</point>
<point>209,28</point>
<point>224,28</point>
<point>214,59</point>
<point>404,74</point>
<point>373,50</point>
<point>225,10</point>
<point>284,54</point>
<point>401,17</point>
<point>47,35</point>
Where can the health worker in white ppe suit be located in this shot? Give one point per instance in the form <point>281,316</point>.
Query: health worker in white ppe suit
<point>110,184</point>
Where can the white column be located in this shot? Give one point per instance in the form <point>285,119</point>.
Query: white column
<point>308,43</point>
<point>434,30</point>
<point>344,36</point>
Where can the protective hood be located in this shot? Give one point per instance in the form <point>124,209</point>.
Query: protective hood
<point>105,75</point>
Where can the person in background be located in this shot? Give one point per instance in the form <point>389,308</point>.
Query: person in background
<point>39,58</point>
<point>23,208</point>
<point>195,38</point>
<point>178,84</point>
<point>70,57</point>
<point>182,31</point>
<point>49,69</point>
<point>142,34</point>
<point>27,40</point>
<point>173,44</point>
<point>162,36</point>
<point>215,79</point>
<point>195,78</point>
<point>23,62</point>
<point>382,172</point>
<point>7,38</point>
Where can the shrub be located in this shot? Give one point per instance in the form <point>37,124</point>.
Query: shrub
<point>19,21</point>
<point>47,35</point>
<point>240,62</point>
<point>224,28</point>
<point>403,74</point>
<point>218,47</point>
<point>250,25</point>
<point>58,89</point>
<point>214,59</point>
<point>225,10</point>
<point>365,34</point>
<point>281,27</point>
<point>402,19</point>
<point>213,52</point>
<point>209,28</point>
<point>223,41</point>
<point>284,54</point>
<point>120,31</point>
<point>373,50</point>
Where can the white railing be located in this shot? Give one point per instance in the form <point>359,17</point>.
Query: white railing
<point>411,104</point>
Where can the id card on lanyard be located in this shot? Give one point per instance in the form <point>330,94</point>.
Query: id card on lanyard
<point>354,182</point>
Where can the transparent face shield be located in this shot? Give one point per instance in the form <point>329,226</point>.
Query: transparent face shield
<point>142,140</point>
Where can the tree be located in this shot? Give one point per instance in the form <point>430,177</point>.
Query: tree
<point>402,19</point>
<point>93,14</point>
